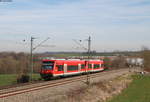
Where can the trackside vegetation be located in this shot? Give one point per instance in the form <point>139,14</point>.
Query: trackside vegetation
<point>138,91</point>
<point>9,79</point>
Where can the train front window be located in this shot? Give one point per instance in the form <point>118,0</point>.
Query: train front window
<point>48,67</point>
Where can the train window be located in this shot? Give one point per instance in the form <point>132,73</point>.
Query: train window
<point>72,68</point>
<point>96,65</point>
<point>90,66</point>
<point>60,67</point>
<point>47,67</point>
<point>82,66</point>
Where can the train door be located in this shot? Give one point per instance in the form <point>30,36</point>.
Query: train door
<point>65,69</point>
<point>92,67</point>
<point>79,67</point>
<point>100,65</point>
<point>60,69</point>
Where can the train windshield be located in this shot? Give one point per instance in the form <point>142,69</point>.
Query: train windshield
<point>48,65</point>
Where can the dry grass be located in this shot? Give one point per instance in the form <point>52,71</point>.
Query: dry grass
<point>97,92</point>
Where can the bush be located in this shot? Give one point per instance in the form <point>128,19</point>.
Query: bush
<point>119,62</point>
<point>115,63</point>
<point>23,78</point>
<point>107,63</point>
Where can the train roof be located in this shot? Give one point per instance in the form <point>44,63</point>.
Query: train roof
<point>71,60</point>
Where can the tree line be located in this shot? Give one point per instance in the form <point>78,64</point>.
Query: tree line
<point>13,63</point>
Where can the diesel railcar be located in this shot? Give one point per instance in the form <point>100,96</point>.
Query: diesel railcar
<point>61,68</point>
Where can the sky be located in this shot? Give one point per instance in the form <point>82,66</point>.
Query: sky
<point>112,24</point>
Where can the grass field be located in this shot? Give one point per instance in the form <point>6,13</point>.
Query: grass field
<point>138,91</point>
<point>9,79</point>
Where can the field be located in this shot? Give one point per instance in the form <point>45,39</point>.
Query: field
<point>9,79</point>
<point>138,91</point>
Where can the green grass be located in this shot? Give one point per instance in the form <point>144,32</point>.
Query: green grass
<point>138,91</point>
<point>9,79</point>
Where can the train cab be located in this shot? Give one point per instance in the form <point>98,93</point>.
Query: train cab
<point>47,69</point>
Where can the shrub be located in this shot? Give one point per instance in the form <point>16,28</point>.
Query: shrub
<point>107,63</point>
<point>119,62</point>
<point>24,78</point>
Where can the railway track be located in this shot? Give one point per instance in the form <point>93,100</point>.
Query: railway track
<point>54,83</point>
<point>31,83</point>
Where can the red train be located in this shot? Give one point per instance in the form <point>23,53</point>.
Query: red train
<point>60,68</point>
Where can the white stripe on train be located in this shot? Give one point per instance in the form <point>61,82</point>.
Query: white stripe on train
<point>74,73</point>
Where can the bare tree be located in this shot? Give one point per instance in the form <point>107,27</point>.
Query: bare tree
<point>145,54</point>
